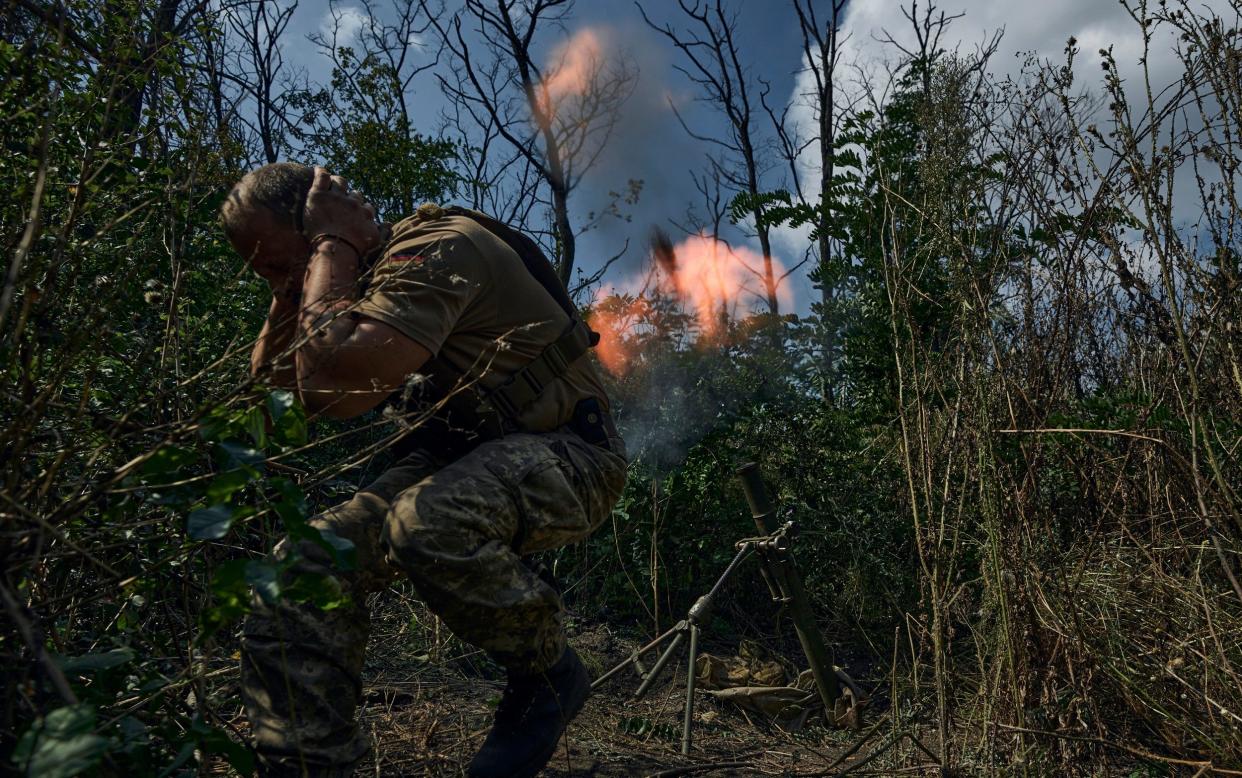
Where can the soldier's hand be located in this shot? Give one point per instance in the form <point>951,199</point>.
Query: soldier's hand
<point>332,209</point>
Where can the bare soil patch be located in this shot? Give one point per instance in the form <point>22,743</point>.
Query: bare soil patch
<point>427,714</point>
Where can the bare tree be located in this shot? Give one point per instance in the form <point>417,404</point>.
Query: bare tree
<point>555,133</point>
<point>821,52</point>
<point>363,122</point>
<point>218,103</point>
<point>500,178</point>
<point>715,67</point>
<point>259,70</point>
<point>394,47</point>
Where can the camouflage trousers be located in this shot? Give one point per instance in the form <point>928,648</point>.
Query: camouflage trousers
<point>458,532</point>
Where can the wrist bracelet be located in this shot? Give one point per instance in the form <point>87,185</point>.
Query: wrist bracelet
<point>321,237</point>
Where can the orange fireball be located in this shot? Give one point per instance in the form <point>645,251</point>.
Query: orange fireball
<point>713,281</point>
<point>574,63</point>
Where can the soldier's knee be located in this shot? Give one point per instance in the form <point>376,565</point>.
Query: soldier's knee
<point>411,531</point>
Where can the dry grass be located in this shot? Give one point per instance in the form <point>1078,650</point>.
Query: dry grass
<point>429,699</point>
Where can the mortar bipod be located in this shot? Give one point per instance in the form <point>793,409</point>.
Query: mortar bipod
<point>774,549</point>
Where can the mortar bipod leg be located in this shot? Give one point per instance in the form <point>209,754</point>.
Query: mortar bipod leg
<point>664,659</point>
<point>691,679</point>
<point>633,658</point>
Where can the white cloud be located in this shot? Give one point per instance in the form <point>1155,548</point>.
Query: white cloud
<point>347,21</point>
<point>1040,29</point>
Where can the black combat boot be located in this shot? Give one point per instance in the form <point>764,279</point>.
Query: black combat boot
<point>532,715</point>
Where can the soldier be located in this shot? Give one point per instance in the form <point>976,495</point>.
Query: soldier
<point>530,462</point>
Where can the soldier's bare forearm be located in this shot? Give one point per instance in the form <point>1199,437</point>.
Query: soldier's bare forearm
<point>271,361</point>
<point>330,288</point>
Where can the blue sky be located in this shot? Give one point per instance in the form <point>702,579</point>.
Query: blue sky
<point>649,143</point>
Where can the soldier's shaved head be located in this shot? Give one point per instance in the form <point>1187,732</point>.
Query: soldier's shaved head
<point>279,188</point>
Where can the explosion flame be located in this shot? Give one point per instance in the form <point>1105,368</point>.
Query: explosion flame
<point>576,63</point>
<point>709,279</point>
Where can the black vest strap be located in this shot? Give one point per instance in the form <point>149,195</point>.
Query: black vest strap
<point>524,387</point>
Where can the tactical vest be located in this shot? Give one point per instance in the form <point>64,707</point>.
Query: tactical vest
<point>448,413</point>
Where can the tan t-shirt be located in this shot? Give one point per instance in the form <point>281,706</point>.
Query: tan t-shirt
<point>464,295</point>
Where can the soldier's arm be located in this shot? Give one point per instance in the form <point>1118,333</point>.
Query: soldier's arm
<point>266,362</point>
<point>347,364</point>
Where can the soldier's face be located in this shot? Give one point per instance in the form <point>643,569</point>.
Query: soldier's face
<point>272,249</point>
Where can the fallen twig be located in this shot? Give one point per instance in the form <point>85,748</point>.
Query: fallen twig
<point>698,768</point>
<point>1200,763</point>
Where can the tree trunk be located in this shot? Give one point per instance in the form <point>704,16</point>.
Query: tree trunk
<point>130,74</point>
<point>564,235</point>
<point>770,281</point>
<point>827,169</point>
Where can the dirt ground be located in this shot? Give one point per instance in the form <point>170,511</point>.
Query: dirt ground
<point>427,714</point>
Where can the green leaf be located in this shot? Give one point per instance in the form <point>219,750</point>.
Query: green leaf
<point>212,740</point>
<point>215,425</point>
<point>216,741</point>
<point>61,745</point>
<point>168,460</point>
<point>88,664</point>
<point>231,589</point>
<point>256,425</point>
<point>211,523</point>
<point>234,454</point>
<point>69,721</point>
<point>344,554</point>
<point>265,578</point>
<point>184,754</point>
<point>279,402</point>
<point>324,591</point>
<point>291,508</point>
<point>223,486</point>
<point>134,735</point>
<point>175,496</point>
<point>288,418</point>
<point>292,429</point>
<point>230,577</point>
<point>55,758</point>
